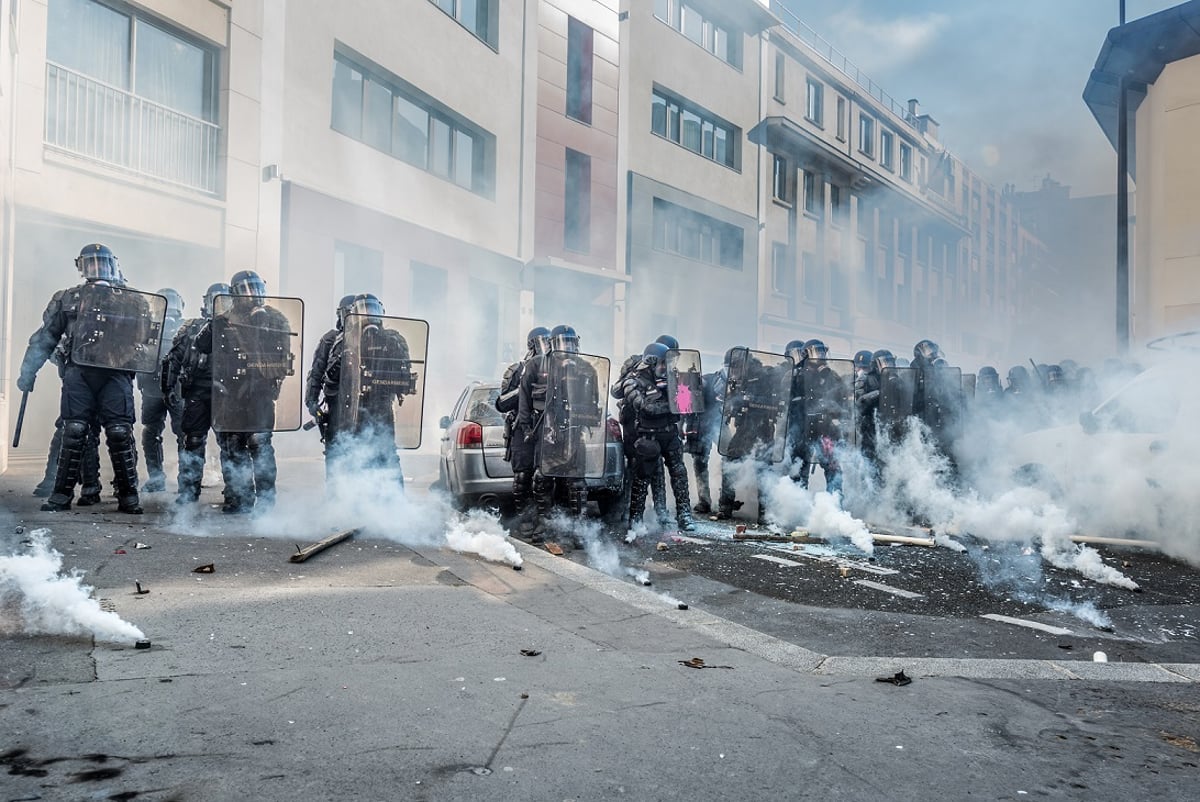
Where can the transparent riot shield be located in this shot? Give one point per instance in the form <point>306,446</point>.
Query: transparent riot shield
<point>829,401</point>
<point>573,426</point>
<point>896,387</point>
<point>685,382</point>
<point>382,383</point>
<point>755,413</point>
<point>968,387</point>
<point>256,387</point>
<point>943,400</point>
<point>118,328</point>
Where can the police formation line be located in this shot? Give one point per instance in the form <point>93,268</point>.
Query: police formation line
<point>225,372</point>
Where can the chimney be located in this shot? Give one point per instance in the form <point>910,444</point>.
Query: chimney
<point>912,108</point>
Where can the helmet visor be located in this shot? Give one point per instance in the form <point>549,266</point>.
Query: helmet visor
<point>252,286</point>
<point>97,266</point>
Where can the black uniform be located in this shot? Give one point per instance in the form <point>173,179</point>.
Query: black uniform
<point>367,433</point>
<point>629,435</point>
<point>699,434</point>
<point>658,442</point>
<point>815,433</point>
<point>187,380</point>
<point>249,465</point>
<point>519,452</point>
<point>316,380</point>
<point>88,394</point>
<point>155,408</point>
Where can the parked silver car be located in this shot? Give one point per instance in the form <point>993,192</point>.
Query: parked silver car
<point>472,468</point>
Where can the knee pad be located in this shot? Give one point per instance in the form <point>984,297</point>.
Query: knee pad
<point>119,433</point>
<point>259,439</point>
<point>76,430</point>
<point>194,441</point>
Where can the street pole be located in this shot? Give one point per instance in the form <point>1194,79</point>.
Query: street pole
<point>1122,211</point>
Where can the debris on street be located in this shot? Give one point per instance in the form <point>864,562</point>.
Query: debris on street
<point>698,662</point>
<point>899,678</point>
<point>303,554</point>
<point>207,568</point>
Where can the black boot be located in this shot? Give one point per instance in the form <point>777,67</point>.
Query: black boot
<point>658,491</point>
<point>89,471</point>
<point>46,486</point>
<point>123,452</point>
<point>679,489</point>
<point>543,490</point>
<point>152,447</point>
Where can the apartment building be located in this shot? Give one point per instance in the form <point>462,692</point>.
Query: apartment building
<point>1158,57</point>
<point>690,93</point>
<point>875,235</point>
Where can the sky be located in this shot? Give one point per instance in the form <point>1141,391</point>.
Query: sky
<point>1004,80</point>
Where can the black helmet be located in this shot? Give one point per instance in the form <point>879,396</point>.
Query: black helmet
<point>1018,377</point>
<point>97,262</point>
<point>1056,379</point>
<point>795,350</point>
<point>247,283</point>
<point>669,341</point>
<point>538,340</point>
<point>987,380</point>
<point>881,359</point>
<point>862,360</point>
<point>220,288</point>
<point>343,309</point>
<point>815,350</point>
<point>927,350</point>
<point>564,338</point>
<point>369,306</point>
<point>174,301</point>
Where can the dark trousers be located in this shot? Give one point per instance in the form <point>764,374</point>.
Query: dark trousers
<point>249,468</point>
<point>154,417</point>
<point>92,396</point>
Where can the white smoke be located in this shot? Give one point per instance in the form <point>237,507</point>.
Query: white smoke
<point>55,603</point>
<point>790,505</point>
<point>373,500</point>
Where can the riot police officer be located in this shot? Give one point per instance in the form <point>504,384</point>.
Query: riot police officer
<point>155,407</point>
<point>645,389</point>
<point>320,362</point>
<point>187,381</point>
<point>822,392</point>
<point>867,391</point>
<point>361,408</point>
<point>518,451</point>
<point>250,455</point>
<point>92,393</point>
<point>628,420</point>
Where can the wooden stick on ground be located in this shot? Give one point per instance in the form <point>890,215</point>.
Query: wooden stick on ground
<point>1116,541</point>
<point>303,554</point>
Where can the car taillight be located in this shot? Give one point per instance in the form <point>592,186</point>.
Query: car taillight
<point>614,431</point>
<point>470,435</point>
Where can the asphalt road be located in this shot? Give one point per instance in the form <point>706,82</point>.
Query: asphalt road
<point>386,668</point>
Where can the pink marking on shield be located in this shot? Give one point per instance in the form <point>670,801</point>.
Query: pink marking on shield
<point>683,399</point>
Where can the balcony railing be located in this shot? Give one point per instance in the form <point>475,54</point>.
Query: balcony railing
<point>93,119</point>
<point>839,62</point>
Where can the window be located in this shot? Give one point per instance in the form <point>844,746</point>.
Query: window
<point>815,110</point>
<point>783,272</point>
<point>841,118</point>
<point>385,113</point>
<point>696,236</point>
<point>477,16</point>
<point>781,181</point>
<point>723,41</point>
<point>814,196</point>
<point>695,129</point>
<point>577,202</point>
<point>780,76</point>
<point>837,207</point>
<point>866,134</point>
<point>131,92</point>
<point>839,287</point>
<point>887,147</point>
<point>906,161</point>
<point>814,281</point>
<point>579,71</point>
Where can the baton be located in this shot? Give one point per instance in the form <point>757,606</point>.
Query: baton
<point>20,419</point>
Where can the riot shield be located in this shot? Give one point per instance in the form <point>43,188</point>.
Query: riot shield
<point>943,394</point>
<point>829,400</point>
<point>118,328</point>
<point>896,387</point>
<point>255,340</point>
<point>382,383</point>
<point>685,382</point>
<point>574,430</point>
<point>754,415</point>
<point>968,386</point>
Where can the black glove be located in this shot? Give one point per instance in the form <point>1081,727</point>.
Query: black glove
<point>25,383</point>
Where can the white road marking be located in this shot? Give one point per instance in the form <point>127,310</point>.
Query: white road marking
<point>827,555</point>
<point>908,594</point>
<point>778,560</point>
<point>1021,622</point>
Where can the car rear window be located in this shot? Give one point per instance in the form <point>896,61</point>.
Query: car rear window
<point>482,407</point>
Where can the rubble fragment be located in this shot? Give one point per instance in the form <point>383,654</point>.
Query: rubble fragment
<point>898,679</point>
<point>207,568</point>
<point>303,554</point>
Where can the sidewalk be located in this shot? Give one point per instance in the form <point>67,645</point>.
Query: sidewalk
<point>381,671</point>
